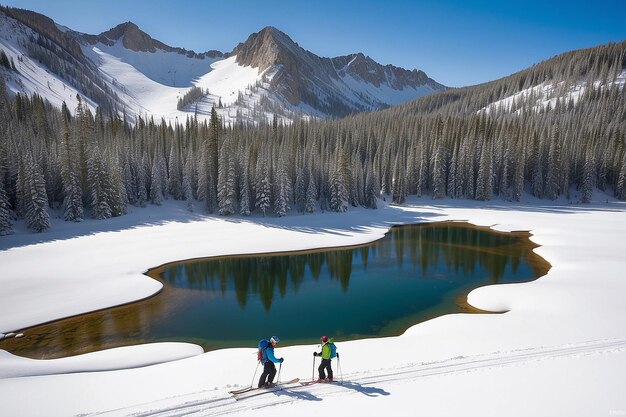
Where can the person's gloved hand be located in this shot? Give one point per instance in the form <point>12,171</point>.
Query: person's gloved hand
<point>314,353</point>
<point>282,360</point>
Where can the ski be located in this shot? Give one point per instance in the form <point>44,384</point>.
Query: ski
<point>317,381</point>
<point>279,385</point>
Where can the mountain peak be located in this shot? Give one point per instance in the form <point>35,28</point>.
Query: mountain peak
<point>131,36</point>
<point>264,48</point>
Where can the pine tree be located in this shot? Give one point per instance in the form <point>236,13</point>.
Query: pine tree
<point>70,172</point>
<point>283,189</point>
<point>263,186</point>
<point>5,212</point>
<point>300,190</point>
<point>156,191</point>
<point>311,195</point>
<point>99,186</point>
<point>36,201</point>
<point>338,195</point>
<point>586,185</point>
<point>187,187</point>
<point>174,181</point>
<point>620,187</point>
<point>439,173</point>
<point>536,184</point>
<point>372,190</point>
<point>142,179</point>
<point>553,176</point>
<point>226,183</point>
<point>398,189</point>
<point>244,186</point>
<point>484,180</point>
<point>517,187</point>
<point>117,197</point>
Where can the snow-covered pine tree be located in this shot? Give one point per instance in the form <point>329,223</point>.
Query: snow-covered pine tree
<point>263,185</point>
<point>553,174</point>
<point>536,182</point>
<point>187,180</point>
<point>452,179</point>
<point>311,195</point>
<point>439,173</point>
<point>226,182</point>
<point>174,181</point>
<point>99,185</point>
<point>213,140</point>
<point>130,184</point>
<point>398,189</point>
<point>156,192</point>
<point>587,180</point>
<point>620,187</point>
<point>117,198</point>
<point>282,186</point>
<point>484,180</point>
<point>372,189</point>
<point>142,180</point>
<point>36,201</point>
<point>299,190</point>
<point>6,227</point>
<point>70,172</point>
<point>338,195</point>
<point>244,185</point>
<point>440,158</point>
<point>517,186</point>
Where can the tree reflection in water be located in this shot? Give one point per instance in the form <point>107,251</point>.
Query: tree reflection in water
<point>413,274</point>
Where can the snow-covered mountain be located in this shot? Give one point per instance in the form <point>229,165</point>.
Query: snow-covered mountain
<point>125,70</point>
<point>333,86</point>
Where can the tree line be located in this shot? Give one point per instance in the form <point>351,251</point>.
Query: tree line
<point>91,165</point>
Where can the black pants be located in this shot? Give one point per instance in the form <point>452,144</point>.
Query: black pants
<point>269,371</point>
<point>325,365</point>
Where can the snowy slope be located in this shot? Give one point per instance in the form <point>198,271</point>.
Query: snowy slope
<point>546,94</point>
<point>31,77</point>
<point>167,68</point>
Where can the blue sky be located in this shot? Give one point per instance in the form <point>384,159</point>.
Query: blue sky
<point>456,42</point>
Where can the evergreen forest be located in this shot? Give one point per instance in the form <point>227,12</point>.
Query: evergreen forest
<point>459,143</point>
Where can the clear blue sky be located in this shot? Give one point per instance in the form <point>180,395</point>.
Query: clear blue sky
<point>456,42</point>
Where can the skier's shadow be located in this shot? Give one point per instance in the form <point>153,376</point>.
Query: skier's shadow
<point>369,391</point>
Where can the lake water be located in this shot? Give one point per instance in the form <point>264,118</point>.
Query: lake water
<point>413,274</point>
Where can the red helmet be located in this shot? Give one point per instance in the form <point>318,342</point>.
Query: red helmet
<point>324,339</point>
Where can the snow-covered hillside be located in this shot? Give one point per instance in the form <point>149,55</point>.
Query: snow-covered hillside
<point>547,94</point>
<point>31,77</point>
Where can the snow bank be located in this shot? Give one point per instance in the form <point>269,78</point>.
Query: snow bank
<point>12,366</point>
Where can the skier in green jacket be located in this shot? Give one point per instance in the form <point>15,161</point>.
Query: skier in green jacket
<point>328,353</point>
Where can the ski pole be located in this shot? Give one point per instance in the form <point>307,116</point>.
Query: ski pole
<point>279,369</point>
<point>255,371</point>
<point>339,366</point>
<point>313,371</point>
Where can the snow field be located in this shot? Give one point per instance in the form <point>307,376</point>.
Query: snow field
<point>559,349</point>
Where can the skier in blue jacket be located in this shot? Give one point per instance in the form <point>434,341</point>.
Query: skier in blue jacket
<point>266,347</point>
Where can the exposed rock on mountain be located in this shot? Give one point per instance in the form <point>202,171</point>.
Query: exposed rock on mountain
<point>335,86</point>
<point>137,40</point>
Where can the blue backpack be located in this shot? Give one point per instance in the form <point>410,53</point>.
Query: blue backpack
<point>333,350</point>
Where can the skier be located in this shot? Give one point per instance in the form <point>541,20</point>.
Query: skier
<point>329,351</point>
<point>266,351</point>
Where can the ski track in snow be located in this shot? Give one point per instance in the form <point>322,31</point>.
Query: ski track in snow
<point>372,384</point>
